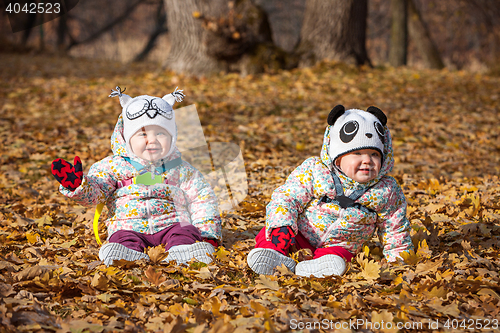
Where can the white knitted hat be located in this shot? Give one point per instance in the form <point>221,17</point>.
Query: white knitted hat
<point>145,110</point>
<point>356,129</point>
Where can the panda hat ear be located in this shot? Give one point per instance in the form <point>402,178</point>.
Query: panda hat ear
<point>336,112</point>
<point>377,113</point>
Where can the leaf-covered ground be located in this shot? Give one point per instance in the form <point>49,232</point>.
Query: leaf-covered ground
<point>445,127</point>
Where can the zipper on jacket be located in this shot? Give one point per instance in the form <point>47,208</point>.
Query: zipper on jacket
<point>347,192</point>
<point>148,209</point>
<point>333,225</point>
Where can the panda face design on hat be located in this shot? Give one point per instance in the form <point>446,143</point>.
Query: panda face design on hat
<point>356,129</point>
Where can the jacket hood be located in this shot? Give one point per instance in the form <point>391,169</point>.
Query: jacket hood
<point>388,160</point>
<point>119,147</point>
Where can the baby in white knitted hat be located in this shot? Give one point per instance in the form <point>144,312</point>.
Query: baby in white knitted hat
<point>153,196</point>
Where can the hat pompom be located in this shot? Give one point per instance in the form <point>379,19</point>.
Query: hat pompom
<point>124,99</point>
<point>176,96</point>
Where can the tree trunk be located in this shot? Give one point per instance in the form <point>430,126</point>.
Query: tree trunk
<point>161,27</point>
<point>420,35</point>
<point>42,37</point>
<point>399,33</point>
<point>218,35</point>
<point>62,29</point>
<point>27,32</point>
<point>108,26</point>
<point>188,51</point>
<point>334,30</point>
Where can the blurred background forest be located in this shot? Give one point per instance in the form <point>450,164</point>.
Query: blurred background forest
<point>465,34</point>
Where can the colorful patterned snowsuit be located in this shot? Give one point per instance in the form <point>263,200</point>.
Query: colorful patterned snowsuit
<point>184,197</point>
<point>296,204</point>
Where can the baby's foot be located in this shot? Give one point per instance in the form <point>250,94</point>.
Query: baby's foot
<point>326,265</point>
<point>116,251</point>
<point>265,261</point>
<point>184,253</point>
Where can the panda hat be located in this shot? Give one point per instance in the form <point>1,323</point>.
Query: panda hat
<point>355,130</point>
<point>145,110</point>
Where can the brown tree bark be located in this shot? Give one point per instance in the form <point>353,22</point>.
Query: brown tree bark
<point>129,10</point>
<point>419,34</point>
<point>399,33</point>
<point>161,28</point>
<point>334,30</point>
<point>62,31</point>
<point>188,51</point>
<point>217,35</point>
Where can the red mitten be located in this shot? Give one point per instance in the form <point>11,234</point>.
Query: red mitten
<point>282,238</point>
<point>211,241</point>
<point>68,175</point>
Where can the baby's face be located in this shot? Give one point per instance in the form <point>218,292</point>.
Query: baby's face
<point>360,165</point>
<point>151,143</point>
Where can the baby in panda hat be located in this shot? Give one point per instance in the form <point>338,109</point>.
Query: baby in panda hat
<point>153,196</point>
<point>333,204</point>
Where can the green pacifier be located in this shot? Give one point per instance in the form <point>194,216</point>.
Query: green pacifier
<point>148,179</point>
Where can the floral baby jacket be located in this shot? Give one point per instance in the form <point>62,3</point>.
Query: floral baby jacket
<point>184,196</point>
<point>383,206</point>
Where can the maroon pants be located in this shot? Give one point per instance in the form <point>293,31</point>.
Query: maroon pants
<point>176,234</point>
<point>303,243</point>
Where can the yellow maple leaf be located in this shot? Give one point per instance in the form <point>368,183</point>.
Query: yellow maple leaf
<point>204,273</point>
<point>438,217</point>
<point>384,316</point>
<point>488,292</point>
<point>213,304</point>
<point>44,220</point>
<point>428,267</point>
<point>99,281</point>
<point>264,282</point>
<point>398,280</point>
<point>446,275</point>
<point>371,270</point>
<point>154,277</point>
<point>468,188</point>
<point>317,286</point>
<point>68,244</point>
<point>432,208</point>
<point>262,311</point>
<point>222,254</point>
<point>32,237</point>
<point>466,245</point>
<point>438,292</point>
<point>106,297</point>
<point>450,310</point>
<point>245,312</point>
<point>283,270</point>
<point>433,186</point>
<point>423,250</point>
<point>409,257</point>
<point>176,309</point>
<point>157,254</point>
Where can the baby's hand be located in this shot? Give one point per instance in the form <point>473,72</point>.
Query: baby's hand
<point>68,175</point>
